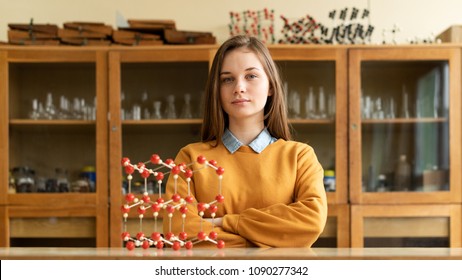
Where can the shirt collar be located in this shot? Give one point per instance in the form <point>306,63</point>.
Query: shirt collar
<point>262,141</point>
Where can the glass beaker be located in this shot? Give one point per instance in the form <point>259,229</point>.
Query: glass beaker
<point>170,111</point>
<point>157,115</point>
<point>186,112</point>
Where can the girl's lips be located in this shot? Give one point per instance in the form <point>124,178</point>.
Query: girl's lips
<point>239,101</point>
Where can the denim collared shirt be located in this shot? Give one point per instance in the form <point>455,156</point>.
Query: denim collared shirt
<point>258,144</point>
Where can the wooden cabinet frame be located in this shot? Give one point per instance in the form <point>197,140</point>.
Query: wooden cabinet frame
<point>452,211</point>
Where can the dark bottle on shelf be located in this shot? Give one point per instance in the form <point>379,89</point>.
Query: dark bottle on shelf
<point>62,181</point>
<point>24,178</point>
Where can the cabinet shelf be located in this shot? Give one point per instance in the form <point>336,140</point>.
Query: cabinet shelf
<point>20,122</point>
<point>161,122</point>
<point>404,121</point>
<point>199,121</point>
<point>309,121</point>
<point>56,200</point>
<point>28,126</point>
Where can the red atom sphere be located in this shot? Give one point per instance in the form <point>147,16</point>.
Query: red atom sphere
<point>188,173</point>
<point>189,199</point>
<point>156,207</point>
<point>146,198</point>
<point>213,162</point>
<point>129,197</point>
<point>160,200</point>
<point>141,210</point>
<point>125,209</point>
<point>160,245</point>
<point>182,165</point>
<point>213,235</point>
<point>145,174</point>
<point>129,169</point>
<point>170,209</point>
<point>155,159</point>
<point>213,208</point>
<point>201,207</point>
<point>201,159</point>
<point>140,235</point>
<point>169,236</point>
<point>220,244</point>
<point>176,197</point>
<point>220,170</point>
<point>169,161</point>
<point>176,246</point>
<point>188,245</point>
<point>183,209</point>
<point>125,234</point>
<point>183,235</point>
<point>160,176</point>
<point>176,170</point>
<point>220,198</point>
<point>145,244</point>
<point>125,161</point>
<point>130,245</point>
<point>201,235</point>
<point>155,236</point>
<point>141,165</point>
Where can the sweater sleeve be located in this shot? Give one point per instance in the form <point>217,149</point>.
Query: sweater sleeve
<point>298,224</point>
<point>193,223</point>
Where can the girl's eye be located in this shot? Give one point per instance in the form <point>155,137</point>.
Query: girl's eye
<point>226,80</point>
<point>251,76</point>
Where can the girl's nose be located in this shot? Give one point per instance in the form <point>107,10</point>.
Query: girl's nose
<point>240,86</point>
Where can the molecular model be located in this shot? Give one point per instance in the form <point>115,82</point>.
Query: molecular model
<point>175,204</point>
<point>259,23</point>
<point>347,28</point>
<point>301,31</point>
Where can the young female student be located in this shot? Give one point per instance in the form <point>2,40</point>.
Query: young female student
<point>272,186</point>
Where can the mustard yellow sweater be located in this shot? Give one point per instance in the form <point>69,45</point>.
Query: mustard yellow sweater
<point>272,199</point>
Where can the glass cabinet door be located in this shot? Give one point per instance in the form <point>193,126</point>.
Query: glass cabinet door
<point>56,120</point>
<point>405,128</point>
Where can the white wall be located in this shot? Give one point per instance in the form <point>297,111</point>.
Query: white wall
<point>414,17</point>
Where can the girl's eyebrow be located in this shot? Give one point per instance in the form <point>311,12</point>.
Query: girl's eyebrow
<point>248,69</point>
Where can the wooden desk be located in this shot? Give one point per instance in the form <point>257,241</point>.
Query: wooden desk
<point>17,253</point>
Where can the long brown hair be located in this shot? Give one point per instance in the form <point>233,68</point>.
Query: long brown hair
<point>215,119</point>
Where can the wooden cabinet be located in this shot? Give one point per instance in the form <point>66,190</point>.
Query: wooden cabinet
<point>404,148</point>
<point>51,141</point>
<point>354,141</point>
<point>425,83</point>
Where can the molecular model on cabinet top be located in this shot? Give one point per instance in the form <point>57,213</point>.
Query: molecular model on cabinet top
<point>171,206</point>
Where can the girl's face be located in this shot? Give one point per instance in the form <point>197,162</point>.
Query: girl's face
<point>244,85</point>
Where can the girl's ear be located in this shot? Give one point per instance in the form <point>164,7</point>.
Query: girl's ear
<point>270,91</point>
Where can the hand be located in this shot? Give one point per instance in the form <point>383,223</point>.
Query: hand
<point>216,221</point>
